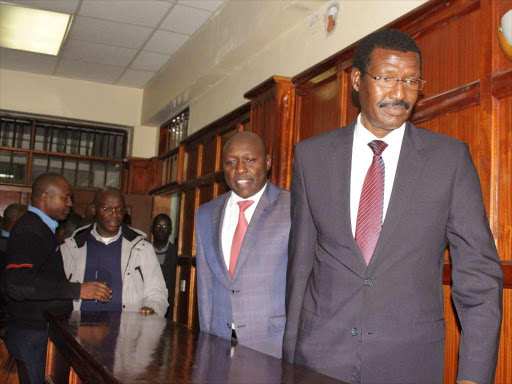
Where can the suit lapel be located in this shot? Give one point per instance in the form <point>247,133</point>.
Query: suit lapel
<point>257,222</point>
<point>340,174</point>
<point>410,167</point>
<point>217,221</point>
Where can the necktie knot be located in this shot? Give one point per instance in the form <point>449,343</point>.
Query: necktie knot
<point>377,146</point>
<point>244,204</point>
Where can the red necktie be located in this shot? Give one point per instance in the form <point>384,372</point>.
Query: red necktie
<point>370,212</point>
<point>238,238</point>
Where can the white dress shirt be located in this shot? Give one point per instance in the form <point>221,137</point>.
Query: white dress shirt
<point>362,156</point>
<point>231,220</point>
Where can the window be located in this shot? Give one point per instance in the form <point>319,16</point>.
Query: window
<point>87,156</point>
<point>171,134</point>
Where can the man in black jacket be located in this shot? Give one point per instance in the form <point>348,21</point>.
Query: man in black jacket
<point>35,278</point>
<point>166,254</point>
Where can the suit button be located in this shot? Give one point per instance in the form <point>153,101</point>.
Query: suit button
<point>232,291</point>
<point>368,282</point>
<point>353,331</point>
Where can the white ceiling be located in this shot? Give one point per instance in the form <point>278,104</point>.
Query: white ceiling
<point>123,42</point>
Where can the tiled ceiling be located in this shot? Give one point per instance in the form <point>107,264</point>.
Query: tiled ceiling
<point>123,42</point>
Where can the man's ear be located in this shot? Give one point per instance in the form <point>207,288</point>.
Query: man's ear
<point>355,78</point>
<point>93,209</point>
<point>268,160</point>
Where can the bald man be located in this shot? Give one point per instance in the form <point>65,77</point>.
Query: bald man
<point>242,251</point>
<point>35,278</point>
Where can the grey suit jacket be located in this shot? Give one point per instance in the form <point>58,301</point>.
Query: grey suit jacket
<point>390,314</point>
<point>254,299</point>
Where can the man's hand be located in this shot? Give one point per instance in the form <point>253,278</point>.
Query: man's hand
<point>146,311</point>
<point>94,290</point>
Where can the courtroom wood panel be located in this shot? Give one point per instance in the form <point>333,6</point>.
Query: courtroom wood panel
<point>209,163</point>
<point>187,213</point>
<point>450,62</point>
<point>504,182</point>
<point>191,161</point>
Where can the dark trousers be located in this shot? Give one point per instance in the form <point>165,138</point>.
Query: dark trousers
<point>28,346</point>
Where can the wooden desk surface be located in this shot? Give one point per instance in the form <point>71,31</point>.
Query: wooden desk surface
<point>125,347</point>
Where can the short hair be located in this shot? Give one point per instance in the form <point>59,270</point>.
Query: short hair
<point>42,183</point>
<point>71,223</point>
<point>12,213</point>
<point>105,190</point>
<point>160,217</point>
<point>392,39</point>
<point>246,135</point>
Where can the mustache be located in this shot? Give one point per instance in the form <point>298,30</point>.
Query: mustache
<point>395,103</point>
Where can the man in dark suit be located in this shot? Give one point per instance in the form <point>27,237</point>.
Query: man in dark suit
<point>35,278</point>
<point>241,244</point>
<point>374,205</point>
<point>166,254</point>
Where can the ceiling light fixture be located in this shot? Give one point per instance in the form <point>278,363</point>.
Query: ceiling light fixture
<point>33,30</point>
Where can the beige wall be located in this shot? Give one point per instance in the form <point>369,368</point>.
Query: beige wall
<point>81,100</point>
<point>249,41</point>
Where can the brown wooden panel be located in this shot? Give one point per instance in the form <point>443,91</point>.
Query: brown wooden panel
<point>191,162</point>
<point>222,187</point>
<point>504,182</point>
<point>206,193</point>
<point>140,176</point>
<point>465,125</point>
<point>317,109</point>
<point>451,54</point>
<point>13,195</point>
<point>209,157</point>
<point>187,214</point>
<point>226,135</point>
<point>182,296</point>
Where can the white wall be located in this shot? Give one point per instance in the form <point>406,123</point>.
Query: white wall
<point>75,99</point>
<point>249,41</point>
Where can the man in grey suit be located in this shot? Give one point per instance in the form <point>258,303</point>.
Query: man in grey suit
<point>242,251</point>
<point>374,205</point>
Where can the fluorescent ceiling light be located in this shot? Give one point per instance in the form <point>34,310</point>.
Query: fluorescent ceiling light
<point>33,30</point>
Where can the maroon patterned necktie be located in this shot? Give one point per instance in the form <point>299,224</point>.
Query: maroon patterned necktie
<point>371,203</point>
<point>238,238</point>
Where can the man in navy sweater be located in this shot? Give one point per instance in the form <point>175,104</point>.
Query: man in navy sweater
<point>35,278</point>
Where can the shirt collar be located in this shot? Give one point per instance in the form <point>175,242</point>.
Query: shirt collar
<point>256,198</point>
<point>362,134</point>
<point>164,249</point>
<point>5,233</point>
<point>105,240</point>
<point>52,224</point>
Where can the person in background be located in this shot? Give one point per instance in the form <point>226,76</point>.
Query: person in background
<point>11,214</point>
<point>111,252</point>
<point>88,215</point>
<point>35,279</point>
<point>242,251</point>
<point>166,254</point>
<point>68,226</point>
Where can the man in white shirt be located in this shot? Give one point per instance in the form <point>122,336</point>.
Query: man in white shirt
<point>242,251</point>
<point>374,206</point>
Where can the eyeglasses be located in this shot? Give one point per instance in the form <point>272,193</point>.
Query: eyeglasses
<point>391,82</point>
<point>110,210</point>
<point>162,226</point>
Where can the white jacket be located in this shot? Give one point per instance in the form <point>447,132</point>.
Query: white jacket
<point>144,289</point>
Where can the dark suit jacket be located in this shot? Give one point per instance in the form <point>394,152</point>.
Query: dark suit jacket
<point>254,299</point>
<point>35,276</point>
<point>391,311</point>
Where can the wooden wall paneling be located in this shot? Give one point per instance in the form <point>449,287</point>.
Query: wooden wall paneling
<point>272,117</point>
<point>181,309</point>
<point>187,213</point>
<point>504,176</point>
<point>10,194</point>
<point>319,106</point>
<point>209,155</point>
<point>191,161</point>
<point>140,176</point>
